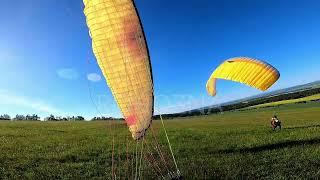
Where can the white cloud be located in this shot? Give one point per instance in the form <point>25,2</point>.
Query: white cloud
<point>22,101</point>
<point>94,77</point>
<point>68,73</point>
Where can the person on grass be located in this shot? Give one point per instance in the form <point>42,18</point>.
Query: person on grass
<point>275,122</point>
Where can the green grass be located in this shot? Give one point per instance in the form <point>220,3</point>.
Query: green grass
<point>233,145</point>
<point>291,101</point>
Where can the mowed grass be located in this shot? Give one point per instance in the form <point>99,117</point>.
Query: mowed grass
<point>232,145</point>
<point>291,101</point>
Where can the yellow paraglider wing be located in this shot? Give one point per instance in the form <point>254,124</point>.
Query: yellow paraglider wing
<point>120,48</point>
<point>245,70</point>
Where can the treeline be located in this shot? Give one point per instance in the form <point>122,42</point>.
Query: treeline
<point>60,118</point>
<point>240,105</point>
<point>105,118</point>
<point>5,117</point>
<point>19,117</point>
<point>35,117</point>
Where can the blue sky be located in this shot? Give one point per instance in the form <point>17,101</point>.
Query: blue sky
<point>47,66</point>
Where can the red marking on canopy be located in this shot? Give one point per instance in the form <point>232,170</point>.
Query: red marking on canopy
<point>133,38</point>
<point>131,120</point>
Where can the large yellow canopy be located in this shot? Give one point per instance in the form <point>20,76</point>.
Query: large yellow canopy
<point>251,72</point>
<point>120,48</point>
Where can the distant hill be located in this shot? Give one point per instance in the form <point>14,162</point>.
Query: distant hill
<point>294,92</point>
<point>298,88</point>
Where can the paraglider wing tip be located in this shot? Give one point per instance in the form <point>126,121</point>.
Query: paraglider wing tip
<point>211,87</point>
<point>139,135</point>
<point>211,93</point>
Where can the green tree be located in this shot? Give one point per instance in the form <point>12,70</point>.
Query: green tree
<point>5,117</point>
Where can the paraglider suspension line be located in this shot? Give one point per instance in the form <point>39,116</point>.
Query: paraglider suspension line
<point>171,151</point>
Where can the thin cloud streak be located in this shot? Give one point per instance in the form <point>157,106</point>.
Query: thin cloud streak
<point>93,77</point>
<point>22,101</point>
<point>68,73</point>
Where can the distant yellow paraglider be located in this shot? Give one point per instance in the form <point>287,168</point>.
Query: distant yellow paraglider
<point>120,48</point>
<point>251,72</point>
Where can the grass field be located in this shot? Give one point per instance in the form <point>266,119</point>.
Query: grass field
<point>232,145</point>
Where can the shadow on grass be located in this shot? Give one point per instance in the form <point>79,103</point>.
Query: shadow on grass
<point>272,146</point>
<point>54,130</point>
<point>303,127</point>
